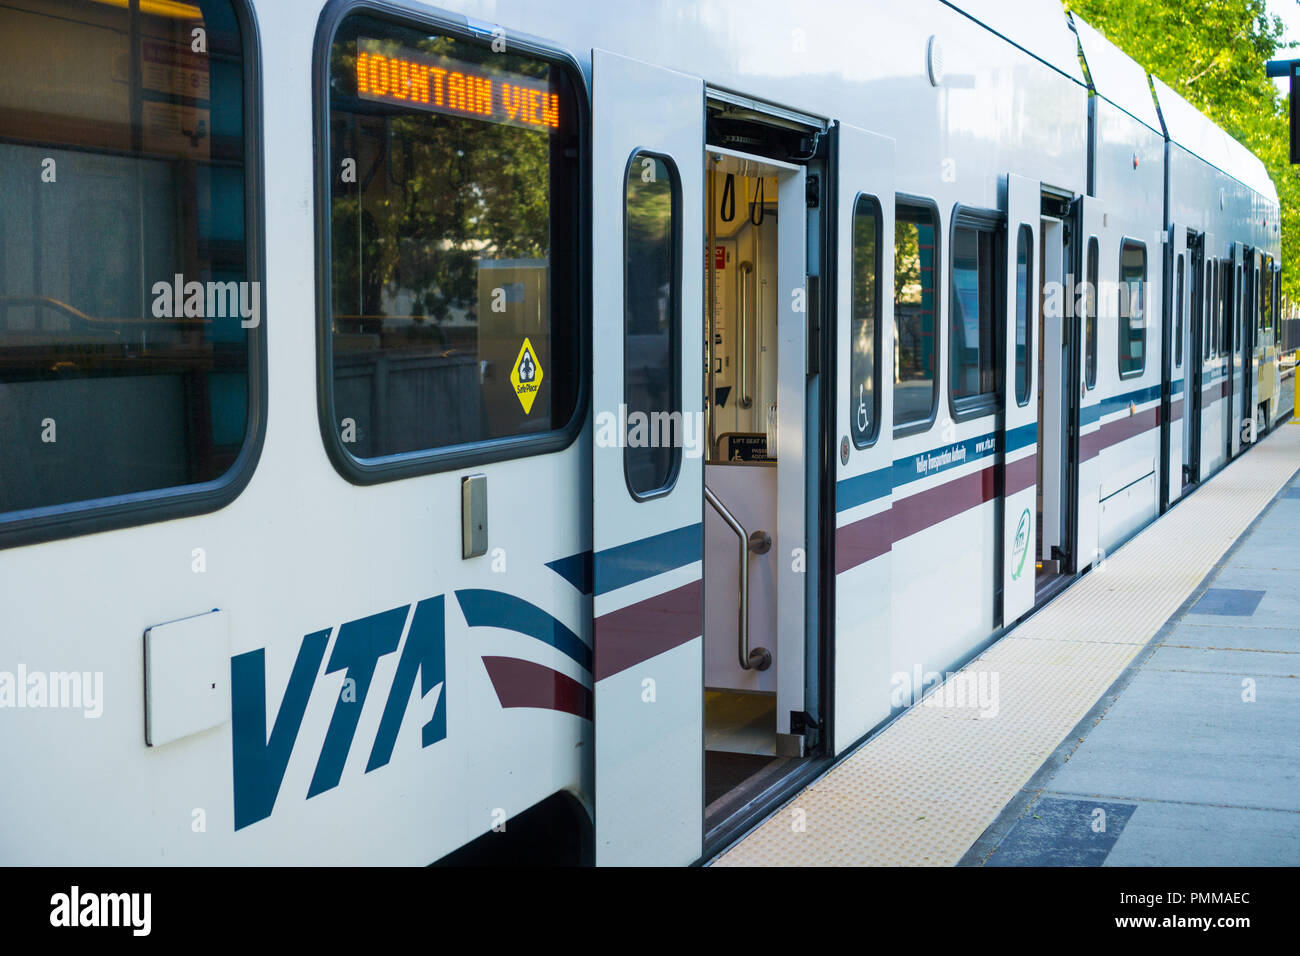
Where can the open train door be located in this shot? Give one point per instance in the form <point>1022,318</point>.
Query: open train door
<point>647,352</point>
<point>1092,225</point>
<point>1174,361</point>
<point>864,371</point>
<point>1019,452</point>
<point>1232,332</point>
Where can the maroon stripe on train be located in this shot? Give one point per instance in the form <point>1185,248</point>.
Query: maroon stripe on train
<point>521,683</point>
<point>863,540</point>
<point>1118,430</point>
<point>868,538</point>
<point>638,632</point>
<point>1022,474</point>
<point>925,508</point>
<point>1217,390</point>
<point>1175,409</point>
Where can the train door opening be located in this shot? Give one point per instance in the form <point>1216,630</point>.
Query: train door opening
<point>756,487</point>
<point>1053,350</point>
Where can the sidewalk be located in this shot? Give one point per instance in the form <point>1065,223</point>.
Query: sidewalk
<point>1193,759</point>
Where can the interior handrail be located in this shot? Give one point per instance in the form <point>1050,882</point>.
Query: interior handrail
<point>760,658</point>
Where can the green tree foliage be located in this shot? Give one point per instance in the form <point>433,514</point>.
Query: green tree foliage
<point>1212,53</point>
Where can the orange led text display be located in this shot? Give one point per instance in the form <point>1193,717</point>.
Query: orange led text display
<point>455,88</point>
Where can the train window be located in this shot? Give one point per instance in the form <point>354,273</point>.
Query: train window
<point>1266,295</point>
<point>1132,308</point>
<point>1090,316</point>
<point>973,314</point>
<point>130,305</point>
<point>1178,314</point>
<point>1207,310</point>
<point>452,327</point>
<point>1277,297</point>
<point>1024,282</point>
<point>1214,308</point>
<point>864,359</point>
<point>652,387</point>
<point>1224,316</point>
<point>916,344</point>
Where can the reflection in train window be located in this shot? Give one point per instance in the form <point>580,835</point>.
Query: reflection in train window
<point>1024,282</point>
<point>1090,317</point>
<point>916,345</point>
<point>1266,295</point>
<point>973,313</point>
<point>1178,315</point>
<point>864,355</point>
<point>452,194</point>
<point>126,304</point>
<point>1132,308</point>
<point>1207,311</point>
<point>651,321</point>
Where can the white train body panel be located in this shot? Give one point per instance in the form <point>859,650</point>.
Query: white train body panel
<point>303,559</point>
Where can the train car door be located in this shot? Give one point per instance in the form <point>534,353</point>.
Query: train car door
<point>1194,359</point>
<point>1173,354</point>
<point>1247,325</point>
<point>864,362</point>
<point>647,477</point>
<point>1092,224</point>
<point>1232,348</point>
<point>1020,426</point>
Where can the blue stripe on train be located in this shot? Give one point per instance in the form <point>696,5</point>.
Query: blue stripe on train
<point>858,490</point>
<point>635,561</point>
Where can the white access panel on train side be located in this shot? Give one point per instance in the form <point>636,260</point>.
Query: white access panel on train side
<point>1176,333</point>
<point>649,714</point>
<point>863,480</point>
<point>1092,224</point>
<point>1020,417</point>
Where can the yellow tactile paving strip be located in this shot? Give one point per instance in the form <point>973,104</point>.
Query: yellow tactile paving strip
<point>922,792</point>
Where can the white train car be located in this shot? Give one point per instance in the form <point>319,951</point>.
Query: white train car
<point>560,432</point>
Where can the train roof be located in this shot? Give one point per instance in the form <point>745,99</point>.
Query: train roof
<point>1116,76</point>
<point>1195,132</point>
<point>1119,79</point>
<point>1036,26</point>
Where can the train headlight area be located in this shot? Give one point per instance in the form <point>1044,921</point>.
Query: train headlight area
<point>600,424</point>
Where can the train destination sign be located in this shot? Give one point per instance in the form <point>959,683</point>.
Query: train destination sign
<point>387,73</point>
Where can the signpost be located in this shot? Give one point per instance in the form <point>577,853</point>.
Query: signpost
<point>1289,68</point>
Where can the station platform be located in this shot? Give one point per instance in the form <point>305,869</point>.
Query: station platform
<point>1149,715</point>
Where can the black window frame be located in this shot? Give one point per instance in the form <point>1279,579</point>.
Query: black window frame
<point>675,351</point>
<point>95,515</point>
<point>1092,299</point>
<point>1180,303</point>
<point>369,471</point>
<point>1029,364</point>
<point>1125,321</point>
<point>993,222</point>
<point>877,345</point>
<point>920,426</point>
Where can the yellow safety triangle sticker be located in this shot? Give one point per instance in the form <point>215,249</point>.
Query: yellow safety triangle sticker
<point>526,376</point>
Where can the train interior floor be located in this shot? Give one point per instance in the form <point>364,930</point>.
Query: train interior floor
<point>1157,694</point>
<point>739,749</point>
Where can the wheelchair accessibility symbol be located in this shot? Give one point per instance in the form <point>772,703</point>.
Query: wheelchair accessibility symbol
<point>863,414</point>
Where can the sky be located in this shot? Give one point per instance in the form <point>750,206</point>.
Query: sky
<point>1289,11</point>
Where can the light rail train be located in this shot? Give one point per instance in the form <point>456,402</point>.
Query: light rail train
<point>560,431</point>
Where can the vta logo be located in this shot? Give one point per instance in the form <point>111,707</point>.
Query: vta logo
<point>1020,548</point>
<point>260,762</point>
